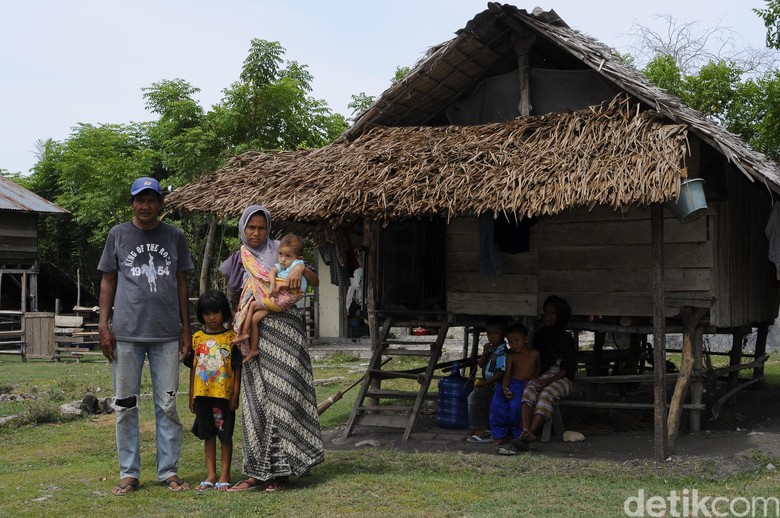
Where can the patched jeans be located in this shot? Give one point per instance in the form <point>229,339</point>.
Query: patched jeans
<point>164,368</point>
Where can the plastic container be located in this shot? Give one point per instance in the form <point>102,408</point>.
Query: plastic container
<point>454,392</point>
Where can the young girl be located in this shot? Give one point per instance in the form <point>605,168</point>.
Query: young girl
<point>215,381</point>
<point>266,291</point>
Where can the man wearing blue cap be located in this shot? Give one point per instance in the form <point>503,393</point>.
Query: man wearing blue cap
<point>144,263</point>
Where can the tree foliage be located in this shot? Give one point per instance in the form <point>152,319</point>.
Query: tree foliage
<point>361,102</point>
<point>731,91</point>
<point>771,19</point>
<point>692,45</point>
<point>269,107</point>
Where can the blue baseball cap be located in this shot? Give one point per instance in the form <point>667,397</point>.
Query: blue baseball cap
<point>144,183</point>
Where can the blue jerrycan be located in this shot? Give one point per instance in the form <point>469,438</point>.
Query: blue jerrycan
<point>454,391</point>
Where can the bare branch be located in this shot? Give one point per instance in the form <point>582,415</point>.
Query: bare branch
<point>693,44</point>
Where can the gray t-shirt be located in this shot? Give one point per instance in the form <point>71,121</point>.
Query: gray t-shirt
<point>146,306</point>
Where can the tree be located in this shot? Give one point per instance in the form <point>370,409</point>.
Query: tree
<point>88,174</point>
<point>663,71</point>
<point>269,107</point>
<point>771,18</point>
<point>692,45</point>
<point>361,102</point>
<point>742,100</point>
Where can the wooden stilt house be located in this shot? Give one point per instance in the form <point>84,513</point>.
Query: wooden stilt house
<point>19,320</point>
<point>522,159</point>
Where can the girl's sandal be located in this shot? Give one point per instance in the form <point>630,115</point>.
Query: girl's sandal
<point>223,486</point>
<point>204,486</point>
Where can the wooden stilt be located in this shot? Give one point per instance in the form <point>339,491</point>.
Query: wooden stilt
<point>371,278</point>
<point>761,336</point>
<point>660,437</point>
<point>691,327</point>
<point>697,386</point>
<point>598,348</point>
<point>735,356</point>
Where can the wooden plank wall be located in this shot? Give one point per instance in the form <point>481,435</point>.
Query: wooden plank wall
<point>599,261</point>
<point>513,293</point>
<point>18,238</point>
<point>747,291</point>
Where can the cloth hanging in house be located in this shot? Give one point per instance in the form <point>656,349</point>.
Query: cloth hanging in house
<point>772,232</point>
<point>333,250</point>
<point>494,100</point>
<point>489,253</point>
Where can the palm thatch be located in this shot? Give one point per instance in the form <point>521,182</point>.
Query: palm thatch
<point>613,155</point>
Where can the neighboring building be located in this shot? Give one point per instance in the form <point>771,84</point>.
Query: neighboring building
<point>19,210</point>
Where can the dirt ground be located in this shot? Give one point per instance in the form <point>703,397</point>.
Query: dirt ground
<point>744,437</point>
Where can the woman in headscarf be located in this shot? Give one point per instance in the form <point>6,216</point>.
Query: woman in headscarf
<point>558,365</point>
<point>281,426</point>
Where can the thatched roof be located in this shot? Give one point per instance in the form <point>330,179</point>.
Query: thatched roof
<point>484,48</point>
<point>401,159</point>
<point>612,155</point>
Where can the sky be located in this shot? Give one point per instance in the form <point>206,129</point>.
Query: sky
<point>86,61</point>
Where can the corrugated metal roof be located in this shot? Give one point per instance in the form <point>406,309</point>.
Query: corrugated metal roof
<point>15,197</point>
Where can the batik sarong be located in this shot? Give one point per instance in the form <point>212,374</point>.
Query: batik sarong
<point>279,407</point>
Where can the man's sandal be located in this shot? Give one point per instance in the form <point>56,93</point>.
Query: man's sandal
<point>127,487</point>
<point>175,484</point>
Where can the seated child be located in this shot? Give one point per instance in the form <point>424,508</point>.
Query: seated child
<point>215,382</point>
<point>522,364</point>
<point>492,364</point>
<point>266,291</point>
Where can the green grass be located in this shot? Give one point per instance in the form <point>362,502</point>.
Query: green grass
<point>68,468</point>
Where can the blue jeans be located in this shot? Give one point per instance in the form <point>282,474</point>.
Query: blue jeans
<point>479,407</point>
<point>164,368</point>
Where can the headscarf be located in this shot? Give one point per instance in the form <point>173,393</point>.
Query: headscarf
<point>267,253</point>
<point>562,310</point>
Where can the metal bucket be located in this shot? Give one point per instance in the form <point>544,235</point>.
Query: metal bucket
<point>691,204</point>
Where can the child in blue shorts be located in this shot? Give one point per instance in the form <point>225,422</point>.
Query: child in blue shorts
<point>522,364</point>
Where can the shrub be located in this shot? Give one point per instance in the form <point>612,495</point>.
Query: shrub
<point>39,412</point>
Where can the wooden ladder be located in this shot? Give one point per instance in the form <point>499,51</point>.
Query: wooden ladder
<point>368,409</point>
